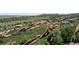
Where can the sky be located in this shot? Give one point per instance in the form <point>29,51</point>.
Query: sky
<point>39,6</point>
<point>27,14</point>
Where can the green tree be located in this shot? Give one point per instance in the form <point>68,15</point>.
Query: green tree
<point>75,38</point>
<point>55,37</point>
<point>67,33</point>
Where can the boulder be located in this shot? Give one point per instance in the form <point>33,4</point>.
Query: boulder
<point>77,29</point>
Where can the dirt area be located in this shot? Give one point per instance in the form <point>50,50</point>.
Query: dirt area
<point>73,43</point>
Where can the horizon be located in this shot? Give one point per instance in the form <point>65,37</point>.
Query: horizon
<point>34,14</point>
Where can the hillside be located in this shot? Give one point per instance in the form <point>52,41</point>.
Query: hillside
<point>44,29</point>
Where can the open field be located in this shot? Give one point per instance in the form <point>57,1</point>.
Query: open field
<point>45,29</point>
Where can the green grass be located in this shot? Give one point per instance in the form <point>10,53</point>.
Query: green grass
<point>67,30</point>
<point>24,35</point>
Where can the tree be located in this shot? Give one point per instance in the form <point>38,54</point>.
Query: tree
<point>55,37</point>
<point>75,38</point>
<point>67,33</point>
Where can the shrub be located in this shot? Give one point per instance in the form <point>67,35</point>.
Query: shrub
<point>55,37</point>
<point>67,33</point>
<point>75,38</point>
